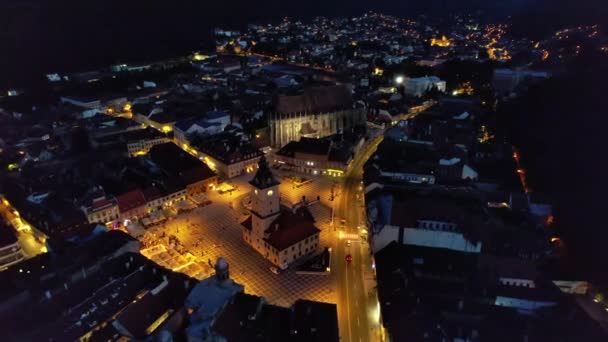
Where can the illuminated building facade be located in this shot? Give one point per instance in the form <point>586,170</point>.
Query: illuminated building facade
<point>10,249</point>
<point>280,235</point>
<point>315,156</point>
<point>316,113</point>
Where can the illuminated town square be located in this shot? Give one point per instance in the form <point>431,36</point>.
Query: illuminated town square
<point>263,171</point>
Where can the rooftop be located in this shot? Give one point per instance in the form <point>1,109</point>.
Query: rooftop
<point>130,200</point>
<point>315,321</point>
<point>316,100</point>
<point>173,160</point>
<point>290,228</point>
<point>263,177</point>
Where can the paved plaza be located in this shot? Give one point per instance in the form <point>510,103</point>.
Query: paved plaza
<point>209,232</point>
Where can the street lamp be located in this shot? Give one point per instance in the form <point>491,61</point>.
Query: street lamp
<point>399,79</point>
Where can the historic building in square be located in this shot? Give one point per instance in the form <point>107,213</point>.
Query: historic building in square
<point>281,235</point>
<point>316,113</point>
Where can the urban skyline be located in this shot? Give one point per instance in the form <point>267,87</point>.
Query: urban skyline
<point>368,178</point>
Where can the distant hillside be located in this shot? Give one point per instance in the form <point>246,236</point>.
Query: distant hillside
<point>39,36</point>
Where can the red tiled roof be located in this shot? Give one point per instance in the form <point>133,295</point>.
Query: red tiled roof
<point>98,204</point>
<point>130,200</point>
<point>290,228</point>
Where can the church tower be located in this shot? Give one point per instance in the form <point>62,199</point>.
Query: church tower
<point>265,199</point>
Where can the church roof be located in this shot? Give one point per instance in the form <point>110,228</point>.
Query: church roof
<point>263,177</point>
<point>316,100</point>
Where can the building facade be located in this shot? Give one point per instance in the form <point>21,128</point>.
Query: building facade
<point>317,113</point>
<point>10,249</point>
<point>315,156</point>
<point>280,235</point>
<point>103,209</point>
<point>143,146</point>
<point>418,86</point>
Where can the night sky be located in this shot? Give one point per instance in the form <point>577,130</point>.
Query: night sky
<point>40,36</point>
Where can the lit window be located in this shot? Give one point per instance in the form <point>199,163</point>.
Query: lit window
<point>269,193</point>
<point>256,191</point>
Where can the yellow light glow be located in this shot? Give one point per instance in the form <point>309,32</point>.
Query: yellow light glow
<point>554,239</point>
<point>328,269</point>
<point>24,227</point>
<point>127,107</point>
<point>158,322</point>
<point>167,129</point>
<point>443,42</point>
<point>378,71</point>
<point>140,153</point>
<point>209,163</point>
<point>545,55</point>
<point>199,57</point>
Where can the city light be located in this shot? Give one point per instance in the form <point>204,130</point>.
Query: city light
<point>399,79</point>
<point>443,42</point>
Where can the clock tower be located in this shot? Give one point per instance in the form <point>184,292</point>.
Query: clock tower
<point>265,199</point>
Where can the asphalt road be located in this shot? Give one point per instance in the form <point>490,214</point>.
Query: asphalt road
<point>356,304</point>
<point>358,308</point>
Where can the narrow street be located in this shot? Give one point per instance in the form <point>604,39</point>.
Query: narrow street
<point>357,305</point>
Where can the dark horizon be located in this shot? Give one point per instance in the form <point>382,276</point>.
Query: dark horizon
<point>48,38</point>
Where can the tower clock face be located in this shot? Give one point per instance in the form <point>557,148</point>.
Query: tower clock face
<point>269,193</point>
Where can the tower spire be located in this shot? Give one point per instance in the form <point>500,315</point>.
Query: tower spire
<point>263,177</point>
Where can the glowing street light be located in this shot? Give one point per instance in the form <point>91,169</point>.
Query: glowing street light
<point>399,79</point>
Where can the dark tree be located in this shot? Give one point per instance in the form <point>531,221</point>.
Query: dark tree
<point>80,141</point>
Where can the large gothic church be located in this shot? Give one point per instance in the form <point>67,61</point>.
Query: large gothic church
<point>316,113</point>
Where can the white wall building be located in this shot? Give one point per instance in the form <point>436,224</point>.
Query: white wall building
<point>10,251</point>
<point>418,86</point>
<point>143,146</point>
<point>103,209</point>
<point>280,235</point>
<point>424,236</point>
